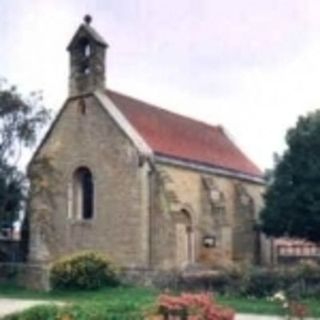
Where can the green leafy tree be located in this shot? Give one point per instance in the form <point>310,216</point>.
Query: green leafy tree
<point>292,199</point>
<point>20,120</point>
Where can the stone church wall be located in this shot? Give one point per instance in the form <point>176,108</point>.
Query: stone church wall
<point>221,207</point>
<point>84,135</point>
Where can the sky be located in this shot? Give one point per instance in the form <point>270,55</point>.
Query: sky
<point>252,66</point>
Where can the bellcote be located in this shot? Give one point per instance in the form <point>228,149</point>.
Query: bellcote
<point>87,51</point>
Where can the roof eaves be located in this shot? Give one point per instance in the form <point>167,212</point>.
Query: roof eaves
<point>47,134</point>
<point>91,32</point>
<point>204,167</point>
<point>124,124</point>
<point>95,35</point>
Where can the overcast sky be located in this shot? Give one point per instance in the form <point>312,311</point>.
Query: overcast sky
<point>251,65</point>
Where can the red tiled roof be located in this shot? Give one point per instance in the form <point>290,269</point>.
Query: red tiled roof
<point>179,137</point>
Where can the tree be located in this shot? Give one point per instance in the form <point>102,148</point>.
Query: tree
<point>20,120</point>
<point>292,199</point>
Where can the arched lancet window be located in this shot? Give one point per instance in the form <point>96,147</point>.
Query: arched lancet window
<point>83,194</point>
<point>87,50</point>
<point>84,50</point>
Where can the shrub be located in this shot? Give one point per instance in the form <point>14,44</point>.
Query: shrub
<point>74,312</point>
<point>192,306</point>
<point>261,283</point>
<point>298,310</point>
<point>35,313</point>
<point>298,281</point>
<point>84,271</point>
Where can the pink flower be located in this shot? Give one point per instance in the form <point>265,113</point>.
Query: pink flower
<point>196,306</point>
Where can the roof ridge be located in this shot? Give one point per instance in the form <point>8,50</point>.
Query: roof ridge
<point>152,105</point>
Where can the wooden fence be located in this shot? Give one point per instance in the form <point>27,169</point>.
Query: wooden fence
<point>291,253</point>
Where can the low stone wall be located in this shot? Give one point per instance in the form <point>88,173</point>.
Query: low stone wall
<point>256,283</point>
<point>164,279</point>
<point>261,283</point>
<point>148,277</point>
<point>31,276</point>
<point>36,276</point>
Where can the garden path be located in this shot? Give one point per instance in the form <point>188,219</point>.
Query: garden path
<point>8,306</point>
<point>259,317</point>
<point>256,317</point>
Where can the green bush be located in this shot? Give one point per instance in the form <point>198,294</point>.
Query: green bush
<point>74,312</point>
<point>35,313</point>
<point>260,283</point>
<point>297,281</point>
<point>84,271</point>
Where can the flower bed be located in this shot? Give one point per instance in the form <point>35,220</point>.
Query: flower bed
<point>191,307</point>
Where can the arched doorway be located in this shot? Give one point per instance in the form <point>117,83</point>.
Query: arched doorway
<point>184,238</point>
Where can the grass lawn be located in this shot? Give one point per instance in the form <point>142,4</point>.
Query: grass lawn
<point>128,299</point>
<point>112,300</point>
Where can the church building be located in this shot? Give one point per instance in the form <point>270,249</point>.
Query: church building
<point>143,185</point>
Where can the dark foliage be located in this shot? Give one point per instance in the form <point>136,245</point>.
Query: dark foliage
<point>20,120</point>
<point>292,200</point>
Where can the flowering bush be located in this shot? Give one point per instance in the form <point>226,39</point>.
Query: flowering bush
<point>281,298</point>
<point>291,308</point>
<point>84,270</point>
<point>298,310</point>
<point>192,307</point>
